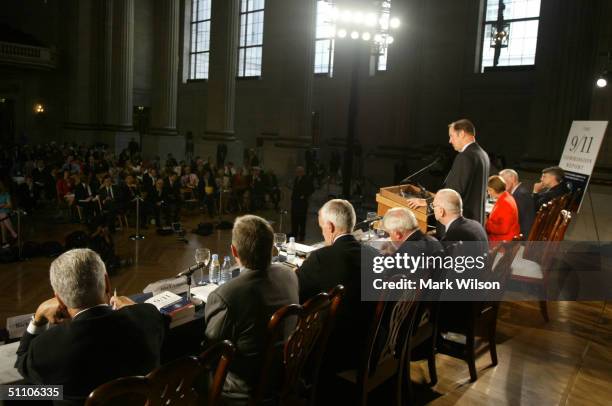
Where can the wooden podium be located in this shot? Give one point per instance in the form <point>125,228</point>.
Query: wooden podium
<point>391,196</point>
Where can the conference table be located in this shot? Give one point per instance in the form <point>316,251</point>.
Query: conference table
<point>185,338</point>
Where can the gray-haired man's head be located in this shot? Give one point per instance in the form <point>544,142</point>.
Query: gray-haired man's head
<point>399,223</point>
<point>336,217</point>
<point>79,279</point>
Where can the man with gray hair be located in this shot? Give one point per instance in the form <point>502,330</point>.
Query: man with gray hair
<point>96,338</point>
<point>404,233</point>
<point>339,262</point>
<point>523,198</point>
<point>448,210</point>
<point>240,309</point>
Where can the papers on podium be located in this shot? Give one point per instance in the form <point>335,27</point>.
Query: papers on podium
<point>202,292</point>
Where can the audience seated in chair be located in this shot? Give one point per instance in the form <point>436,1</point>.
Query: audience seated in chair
<point>503,221</point>
<point>550,186</point>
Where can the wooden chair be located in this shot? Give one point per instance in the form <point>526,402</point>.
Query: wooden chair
<point>479,319</point>
<point>217,357</point>
<point>335,296</point>
<point>292,353</point>
<point>535,268</point>
<point>170,384</point>
<point>385,352</point>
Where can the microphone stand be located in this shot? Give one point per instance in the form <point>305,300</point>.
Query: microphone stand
<point>137,236</point>
<point>189,273</point>
<point>407,179</point>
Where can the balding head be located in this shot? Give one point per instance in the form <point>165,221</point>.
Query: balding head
<point>399,223</point>
<point>447,205</point>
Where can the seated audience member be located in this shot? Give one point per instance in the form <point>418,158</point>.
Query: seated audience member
<point>240,309</point>
<point>109,196</point>
<point>5,220</point>
<point>29,194</point>
<point>448,210</point>
<point>172,196</point>
<point>86,198</point>
<point>550,186</point>
<point>339,262</point>
<point>502,224</point>
<point>522,197</point>
<point>149,179</point>
<point>155,204</point>
<point>63,186</point>
<point>91,343</point>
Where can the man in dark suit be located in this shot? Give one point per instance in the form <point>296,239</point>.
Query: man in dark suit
<point>302,189</point>
<point>93,342</point>
<point>448,209</point>
<point>470,171</point>
<point>149,179</point>
<point>240,309</point>
<point>522,196</point>
<point>28,193</point>
<point>339,262</point>
<point>172,194</point>
<point>86,198</point>
<point>550,186</point>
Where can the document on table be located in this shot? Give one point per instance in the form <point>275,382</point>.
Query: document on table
<point>202,292</point>
<point>164,299</point>
<point>8,356</point>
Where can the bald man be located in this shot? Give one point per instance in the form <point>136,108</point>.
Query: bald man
<point>523,198</point>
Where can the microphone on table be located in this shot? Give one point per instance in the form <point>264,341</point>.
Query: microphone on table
<point>367,222</point>
<point>189,271</point>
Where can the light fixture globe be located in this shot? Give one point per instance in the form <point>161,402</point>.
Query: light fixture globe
<point>354,35</point>
<point>602,82</point>
<point>394,22</point>
<point>366,36</point>
<point>341,33</point>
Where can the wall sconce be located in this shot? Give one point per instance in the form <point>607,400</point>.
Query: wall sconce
<point>2,100</point>
<point>140,108</point>
<point>39,108</point>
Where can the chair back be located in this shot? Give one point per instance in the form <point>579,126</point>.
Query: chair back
<point>172,383</point>
<point>132,390</point>
<point>538,223</point>
<point>217,357</point>
<point>388,336</point>
<point>296,349</point>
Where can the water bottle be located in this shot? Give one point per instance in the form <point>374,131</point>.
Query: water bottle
<point>291,250</point>
<point>226,271</point>
<point>214,270</point>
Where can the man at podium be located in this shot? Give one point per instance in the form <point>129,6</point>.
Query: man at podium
<point>469,173</point>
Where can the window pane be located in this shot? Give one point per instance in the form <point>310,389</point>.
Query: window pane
<point>522,43</point>
<point>514,9</point>
<point>323,48</point>
<point>194,38</point>
<point>203,36</point>
<point>324,42</point>
<point>253,61</point>
<point>382,60</point>
<point>254,28</point>
<point>521,9</point>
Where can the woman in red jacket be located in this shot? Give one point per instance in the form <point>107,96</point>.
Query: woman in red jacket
<point>503,222</point>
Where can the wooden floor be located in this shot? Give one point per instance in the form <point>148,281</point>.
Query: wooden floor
<point>567,361</point>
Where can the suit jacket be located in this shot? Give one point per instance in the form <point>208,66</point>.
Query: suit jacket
<point>503,222</point>
<point>115,195</point>
<point>81,192</point>
<point>548,195</point>
<point>526,208</point>
<point>97,346</point>
<point>468,177</point>
<point>465,237</point>
<point>239,311</point>
<point>340,263</point>
<point>302,189</point>
<point>172,192</point>
<point>148,183</point>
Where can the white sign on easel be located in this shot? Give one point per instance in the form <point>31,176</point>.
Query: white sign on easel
<point>580,153</point>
